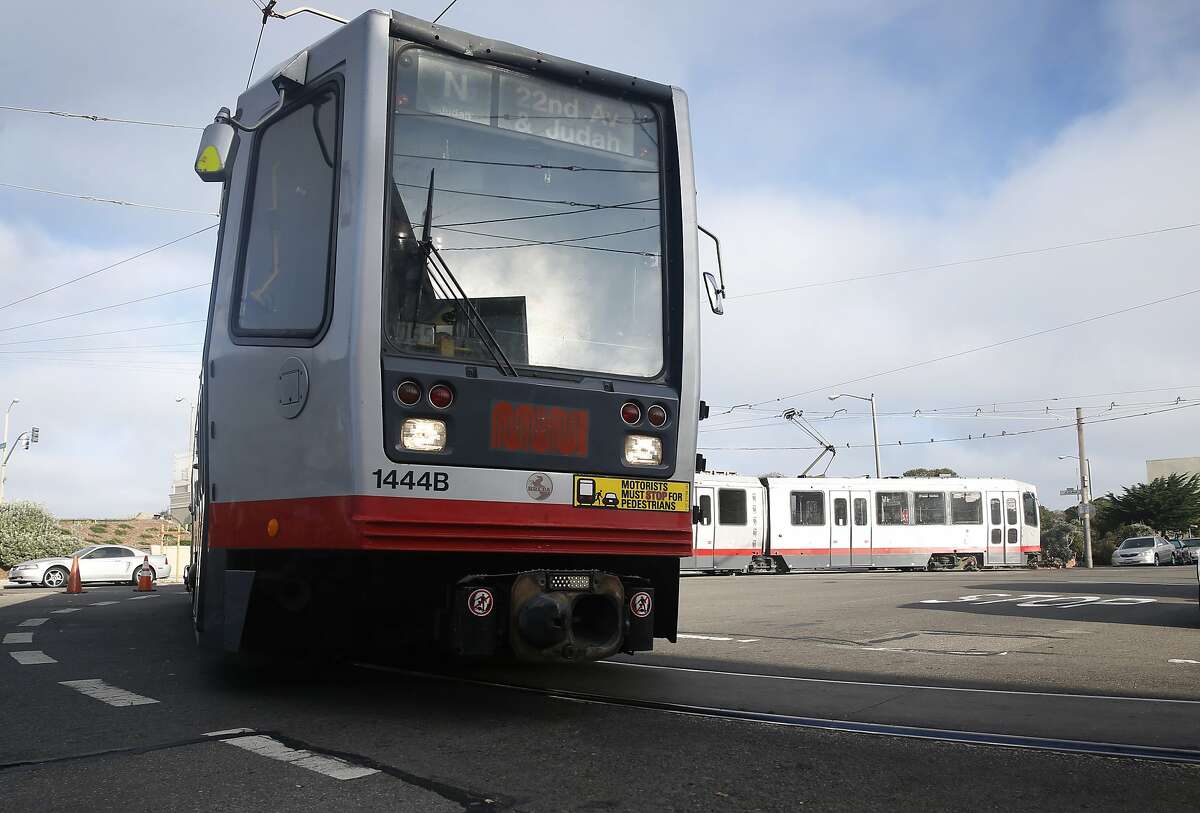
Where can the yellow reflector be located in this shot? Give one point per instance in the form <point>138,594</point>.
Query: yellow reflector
<point>272,527</point>
<point>209,161</point>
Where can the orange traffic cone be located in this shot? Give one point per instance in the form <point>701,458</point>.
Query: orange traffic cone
<point>74,583</point>
<point>145,582</point>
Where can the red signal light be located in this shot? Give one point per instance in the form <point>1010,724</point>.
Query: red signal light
<point>657,416</point>
<point>631,413</point>
<point>408,392</point>
<point>441,396</point>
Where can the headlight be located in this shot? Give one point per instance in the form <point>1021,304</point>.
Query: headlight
<point>423,435</point>
<point>643,450</point>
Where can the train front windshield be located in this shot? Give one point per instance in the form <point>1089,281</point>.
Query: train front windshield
<point>546,208</point>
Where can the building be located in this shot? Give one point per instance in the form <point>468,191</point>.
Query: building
<point>181,489</point>
<point>1172,465</point>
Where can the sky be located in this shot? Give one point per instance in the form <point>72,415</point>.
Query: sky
<point>832,140</point>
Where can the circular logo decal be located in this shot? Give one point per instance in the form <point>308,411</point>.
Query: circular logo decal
<point>640,604</point>
<point>539,486</point>
<point>480,602</point>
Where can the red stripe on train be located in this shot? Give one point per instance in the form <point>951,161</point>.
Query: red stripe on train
<point>477,526</point>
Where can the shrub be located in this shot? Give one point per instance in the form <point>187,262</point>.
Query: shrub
<point>98,529</point>
<point>29,531</point>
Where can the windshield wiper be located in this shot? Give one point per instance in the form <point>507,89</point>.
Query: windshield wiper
<point>440,271</point>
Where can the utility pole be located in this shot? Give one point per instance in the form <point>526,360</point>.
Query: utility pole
<point>874,424</point>
<point>1085,499</point>
<point>4,450</point>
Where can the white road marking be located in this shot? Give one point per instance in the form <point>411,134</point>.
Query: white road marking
<point>273,749</point>
<point>18,638</point>
<point>912,686</point>
<point>33,622</point>
<point>229,731</point>
<point>139,598</point>
<point>68,610</point>
<point>31,656</point>
<point>715,638</point>
<point>102,603</point>
<point>111,695</point>
<point>1181,660</point>
<point>1047,600</point>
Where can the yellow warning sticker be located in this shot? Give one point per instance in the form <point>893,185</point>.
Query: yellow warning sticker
<point>631,494</point>
<point>209,160</point>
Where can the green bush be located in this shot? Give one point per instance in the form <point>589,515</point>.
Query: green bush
<point>29,531</point>
<point>98,529</point>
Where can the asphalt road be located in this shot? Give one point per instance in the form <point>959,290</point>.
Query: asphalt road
<point>128,715</point>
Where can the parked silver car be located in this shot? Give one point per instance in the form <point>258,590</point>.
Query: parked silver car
<point>1144,550</point>
<point>97,563</point>
<point>1191,549</point>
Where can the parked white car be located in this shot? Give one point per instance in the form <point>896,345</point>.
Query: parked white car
<point>97,563</point>
<point>1144,550</point>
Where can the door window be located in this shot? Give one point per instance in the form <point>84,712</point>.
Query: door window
<point>705,509</point>
<point>995,510</point>
<point>1012,536</point>
<point>288,255</point>
<point>731,506</point>
<point>860,511</point>
<point>891,507</point>
<point>808,508</point>
<point>1010,509</point>
<point>997,534</point>
<point>840,512</point>
<point>966,508</point>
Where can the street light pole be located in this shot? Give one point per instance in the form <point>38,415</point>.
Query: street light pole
<point>1085,501</point>
<point>5,450</point>
<point>874,424</point>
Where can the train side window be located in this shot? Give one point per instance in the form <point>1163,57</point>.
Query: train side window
<point>929,508</point>
<point>966,508</point>
<point>860,510</point>
<point>891,507</point>
<point>808,508</point>
<point>840,512</point>
<point>1029,502</point>
<point>1010,509</point>
<point>284,281</point>
<point>705,509</point>
<point>995,509</point>
<point>731,506</point>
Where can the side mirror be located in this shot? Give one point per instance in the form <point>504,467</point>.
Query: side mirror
<point>214,159</point>
<point>716,289</point>
<point>716,294</point>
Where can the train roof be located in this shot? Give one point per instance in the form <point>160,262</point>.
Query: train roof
<point>462,43</point>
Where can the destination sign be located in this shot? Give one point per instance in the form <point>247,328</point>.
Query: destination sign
<point>450,87</point>
<point>518,427</point>
<point>631,494</point>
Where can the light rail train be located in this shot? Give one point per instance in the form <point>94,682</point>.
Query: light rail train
<point>773,524</point>
<point>451,372</point>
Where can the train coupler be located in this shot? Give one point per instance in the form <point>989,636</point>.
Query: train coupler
<point>549,615</point>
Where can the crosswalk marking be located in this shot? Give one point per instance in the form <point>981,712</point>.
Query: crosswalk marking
<point>67,610</point>
<point>102,603</point>
<point>273,749</point>
<point>18,638</point>
<point>33,622</point>
<point>99,690</point>
<point>31,656</point>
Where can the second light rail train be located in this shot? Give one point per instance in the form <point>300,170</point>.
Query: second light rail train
<point>776,524</point>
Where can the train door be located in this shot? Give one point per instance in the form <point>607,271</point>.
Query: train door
<point>995,528</point>
<point>839,529</point>
<point>860,529</point>
<point>1012,528</point>
<point>704,537</point>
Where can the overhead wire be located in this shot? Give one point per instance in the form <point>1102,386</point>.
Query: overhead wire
<point>109,267</point>
<point>631,206</point>
<point>968,438</point>
<point>443,12</point>
<point>105,332</point>
<point>496,196</point>
<point>565,167</point>
<point>955,263</point>
<point>98,118</point>
<point>114,201</point>
<point>106,307</point>
<point>981,348</point>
